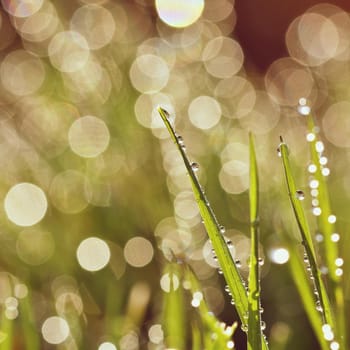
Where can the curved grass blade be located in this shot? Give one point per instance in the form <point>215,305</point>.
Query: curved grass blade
<point>227,265</point>
<point>254,319</point>
<point>173,310</point>
<point>326,227</point>
<point>322,304</point>
<point>216,335</point>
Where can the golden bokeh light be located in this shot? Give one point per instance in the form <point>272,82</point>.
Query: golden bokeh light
<point>169,282</point>
<point>138,252</point>
<point>68,51</point>
<point>22,73</point>
<point>107,346</point>
<point>204,112</point>
<point>22,8</point>
<point>336,124</point>
<point>25,204</point>
<point>55,330</point>
<point>236,96</point>
<point>39,26</point>
<point>149,73</point>
<point>35,246</point>
<point>68,191</point>
<point>181,14</point>
<point>93,254</point>
<point>286,81</point>
<point>88,136</point>
<point>223,57</point>
<point>95,23</point>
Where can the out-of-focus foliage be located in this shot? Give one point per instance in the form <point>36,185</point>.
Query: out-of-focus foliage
<point>94,195</point>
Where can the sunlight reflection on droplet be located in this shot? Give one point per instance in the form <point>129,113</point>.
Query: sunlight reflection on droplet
<point>55,330</point>
<point>68,51</point>
<point>88,136</point>
<point>204,112</point>
<point>279,255</point>
<point>93,254</point>
<point>181,13</point>
<point>25,204</point>
<point>138,252</point>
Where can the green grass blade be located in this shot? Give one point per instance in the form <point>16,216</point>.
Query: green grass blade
<point>196,337</point>
<point>6,333</point>
<point>327,228</point>
<point>216,334</point>
<point>173,310</point>
<point>254,320</point>
<point>323,301</point>
<point>227,265</point>
<point>307,297</point>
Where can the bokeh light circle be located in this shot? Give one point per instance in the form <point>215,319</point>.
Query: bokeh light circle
<point>149,73</point>
<point>68,51</point>
<point>204,112</point>
<point>35,246</point>
<point>88,136</point>
<point>22,8</point>
<point>138,252</point>
<point>180,13</point>
<point>68,192</point>
<point>25,204</point>
<point>55,330</point>
<point>107,346</point>
<point>93,254</point>
<point>336,124</point>
<point>22,73</point>
<point>95,23</point>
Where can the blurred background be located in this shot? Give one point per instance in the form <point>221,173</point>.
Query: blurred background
<point>93,192</point>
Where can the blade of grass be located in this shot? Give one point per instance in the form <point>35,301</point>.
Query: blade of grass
<point>307,296</point>
<point>7,333</point>
<point>324,304</point>
<point>222,338</point>
<point>327,228</point>
<point>227,265</point>
<point>174,312</point>
<point>254,320</point>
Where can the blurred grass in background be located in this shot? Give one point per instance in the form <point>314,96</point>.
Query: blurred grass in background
<point>95,195</point>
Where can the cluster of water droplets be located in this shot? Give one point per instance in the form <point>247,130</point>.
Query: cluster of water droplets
<point>328,335</point>
<point>303,107</point>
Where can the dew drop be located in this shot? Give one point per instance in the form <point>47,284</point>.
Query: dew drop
<point>310,137</point>
<point>195,166</point>
<point>232,302</point>
<point>180,140</point>
<point>279,153</point>
<point>319,306</point>
<point>261,310</point>
<point>229,244</point>
<point>238,263</point>
<point>335,237</point>
<point>222,229</point>
<point>299,194</point>
<point>227,289</point>
<point>263,325</point>
<point>244,328</point>
<point>220,272</point>
<point>339,262</point>
<point>312,168</point>
<point>326,171</point>
<point>261,261</point>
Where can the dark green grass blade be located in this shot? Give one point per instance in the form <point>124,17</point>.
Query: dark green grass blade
<point>324,305</point>
<point>173,310</point>
<point>330,248</point>
<point>254,321</point>
<point>227,265</point>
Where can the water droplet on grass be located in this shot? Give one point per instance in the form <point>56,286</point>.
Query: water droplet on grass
<point>261,261</point>
<point>299,195</point>
<point>238,263</point>
<point>222,229</point>
<point>263,325</point>
<point>319,307</point>
<point>180,140</point>
<point>195,166</point>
